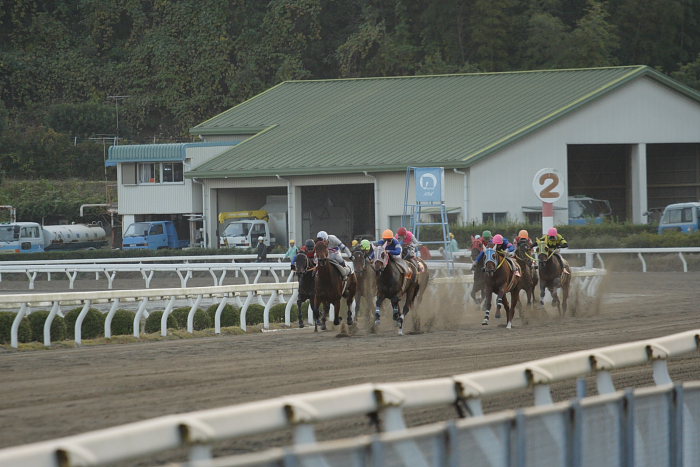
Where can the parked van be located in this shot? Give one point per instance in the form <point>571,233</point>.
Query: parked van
<point>681,217</point>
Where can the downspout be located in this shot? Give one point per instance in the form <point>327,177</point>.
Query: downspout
<point>465,199</point>
<point>204,218</point>
<point>376,202</point>
<point>290,211</point>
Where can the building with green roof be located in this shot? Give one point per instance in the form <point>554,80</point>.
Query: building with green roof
<point>338,149</point>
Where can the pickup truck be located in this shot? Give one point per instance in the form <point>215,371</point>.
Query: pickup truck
<point>152,235</point>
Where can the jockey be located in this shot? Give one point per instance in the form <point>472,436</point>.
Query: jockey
<point>391,245</point>
<point>486,238</point>
<point>354,244</point>
<point>366,247</point>
<point>307,249</point>
<point>407,241</point>
<point>524,237</point>
<point>552,242</point>
<point>335,246</point>
<point>502,245</point>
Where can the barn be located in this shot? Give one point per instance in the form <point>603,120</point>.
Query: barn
<point>337,150</point>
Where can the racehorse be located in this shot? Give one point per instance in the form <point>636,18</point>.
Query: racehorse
<point>305,276</point>
<point>528,280</point>
<point>552,276</point>
<point>329,288</point>
<point>500,277</point>
<point>365,281</point>
<point>478,285</point>
<point>395,283</point>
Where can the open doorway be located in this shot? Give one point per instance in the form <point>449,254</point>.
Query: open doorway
<point>346,211</point>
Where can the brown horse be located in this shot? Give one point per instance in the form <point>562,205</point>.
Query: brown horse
<point>528,280</point>
<point>305,276</point>
<point>500,277</point>
<point>329,288</point>
<point>395,283</point>
<point>553,276</point>
<point>365,279</point>
<point>476,248</point>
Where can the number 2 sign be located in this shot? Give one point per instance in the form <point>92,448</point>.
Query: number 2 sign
<point>546,185</point>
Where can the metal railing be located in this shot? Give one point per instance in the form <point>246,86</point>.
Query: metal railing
<point>657,426</point>
<point>242,295</point>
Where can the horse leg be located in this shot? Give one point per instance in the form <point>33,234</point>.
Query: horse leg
<point>499,303</point>
<point>542,293</point>
<point>565,297</point>
<point>336,307</point>
<point>395,308</point>
<point>301,319</point>
<point>486,307</point>
<point>555,298</point>
<point>315,308</point>
<point>349,301</point>
<point>324,314</point>
<point>510,309</point>
<point>378,310</point>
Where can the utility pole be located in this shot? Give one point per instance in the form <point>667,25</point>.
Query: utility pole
<point>116,106</point>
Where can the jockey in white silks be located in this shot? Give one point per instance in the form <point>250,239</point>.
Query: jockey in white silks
<point>335,246</point>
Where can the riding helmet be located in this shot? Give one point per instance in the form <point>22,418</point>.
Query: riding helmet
<point>486,234</point>
<point>552,232</point>
<point>365,244</point>
<point>322,235</point>
<point>309,244</point>
<point>523,234</point>
<point>498,239</point>
<point>388,234</point>
<point>401,232</point>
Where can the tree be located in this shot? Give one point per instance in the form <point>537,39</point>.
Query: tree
<point>593,43</point>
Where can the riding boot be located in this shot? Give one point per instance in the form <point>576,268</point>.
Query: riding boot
<point>561,263</point>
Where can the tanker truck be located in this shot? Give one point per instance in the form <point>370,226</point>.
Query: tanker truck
<point>31,237</point>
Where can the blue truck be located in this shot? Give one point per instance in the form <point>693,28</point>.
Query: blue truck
<point>681,217</point>
<point>152,235</point>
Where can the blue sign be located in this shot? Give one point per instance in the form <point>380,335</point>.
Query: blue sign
<point>430,184</point>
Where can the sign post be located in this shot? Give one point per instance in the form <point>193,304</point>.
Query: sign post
<point>546,187</point>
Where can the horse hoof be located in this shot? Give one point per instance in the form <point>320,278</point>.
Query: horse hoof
<point>498,315</point>
<point>336,321</point>
<point>323,327</point>
<point>301,324</point>
<point>485,322</point>
<point>509,326</point>
<point>377,322</point>
<point>400,332</point>
<point>350,322</point>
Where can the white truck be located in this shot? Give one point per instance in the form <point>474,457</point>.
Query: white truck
<point>241,229</point>
<point>30,237</point>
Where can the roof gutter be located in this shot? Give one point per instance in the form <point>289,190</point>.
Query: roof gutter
<point>376,202</point>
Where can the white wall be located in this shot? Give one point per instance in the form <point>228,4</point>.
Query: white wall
<point>640,112</point>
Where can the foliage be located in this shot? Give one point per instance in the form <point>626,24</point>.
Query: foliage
<point>180,314</point>
<point>37,320</point>
<point>230,315</point>
<point>24,332</point>
<point>93,323</point>
<point>277,313</point>
<point>38,200</point>
<point>154,319</point>
<point>123,323</point>
<point>254,314</point>
<point>202,320</point>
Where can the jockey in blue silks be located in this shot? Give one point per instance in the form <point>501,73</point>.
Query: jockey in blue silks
<point>391,245</point>
<point>501,244</point>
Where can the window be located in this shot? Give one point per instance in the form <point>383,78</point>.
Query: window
<point>157,172</point>
<point>533,217</point>
<point>128,174</point>
<point>172,172</point>
<point>494,217</point>
<point>29,232</point>
<point>156,229</point>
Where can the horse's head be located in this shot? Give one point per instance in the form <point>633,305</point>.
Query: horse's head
<point>490,261</point>
<point>321,251</point>
<point>358,261</point>
<point>301,263</point>
<point>522,251</point>
<point>381,258</point>
<point>476,247</point>
<point>543,253</point>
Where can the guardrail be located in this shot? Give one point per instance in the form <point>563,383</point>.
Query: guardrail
<point>587,281</point>
<point>640,252</point>
<point>561,438</point>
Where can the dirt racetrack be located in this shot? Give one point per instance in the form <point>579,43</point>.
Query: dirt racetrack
<point>47,394</point>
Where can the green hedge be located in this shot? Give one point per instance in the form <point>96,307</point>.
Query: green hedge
<point>37,320</point>
<point>277,313</point>
<point>93,323</point>
<point>201,318</point>
<point>254,315</point>
<point>24,332</point>
<point>123,323</point>
<point>154,319</point>
<point>230,315</point>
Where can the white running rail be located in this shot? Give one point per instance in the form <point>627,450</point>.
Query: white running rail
<point>197,431</point>
<point>243,295</point>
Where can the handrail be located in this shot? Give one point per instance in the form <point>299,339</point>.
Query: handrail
<point>196,430</point>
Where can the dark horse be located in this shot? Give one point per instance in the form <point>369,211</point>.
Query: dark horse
<point>500,277</point>
<point>305,276</point>
<point>478,285</point>
<point>553,276</point>
<point>329,288</point>
<point>365,280</point>
<point>528,280</point>
<point>394,283</point>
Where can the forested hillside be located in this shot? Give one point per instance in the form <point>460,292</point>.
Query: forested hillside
<point>181,62</point>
